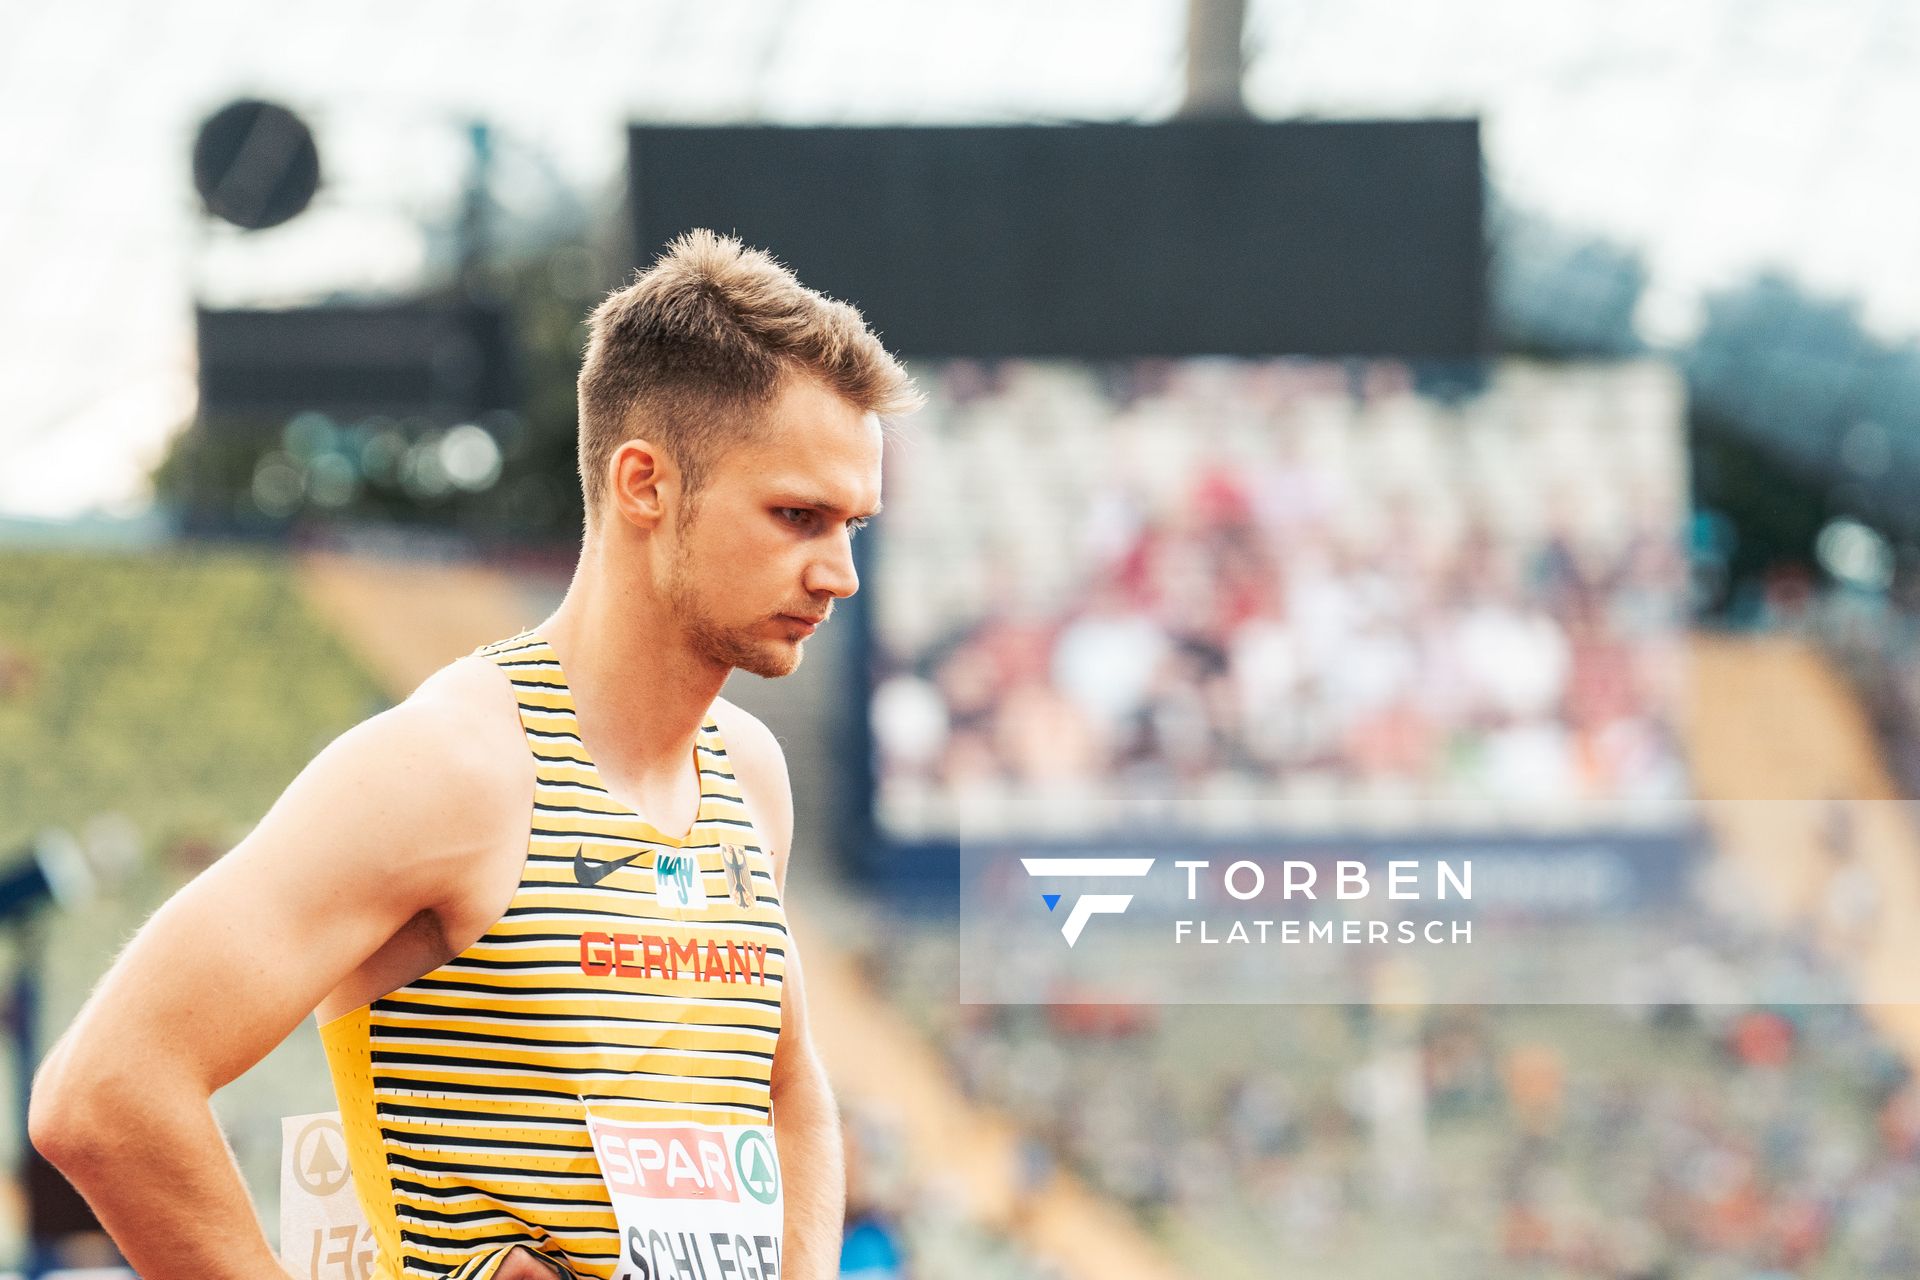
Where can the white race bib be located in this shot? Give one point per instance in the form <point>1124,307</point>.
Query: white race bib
<point>692,1200</point>
<point>323,1234</point>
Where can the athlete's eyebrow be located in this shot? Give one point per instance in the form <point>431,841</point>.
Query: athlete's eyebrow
<point>830,508</point>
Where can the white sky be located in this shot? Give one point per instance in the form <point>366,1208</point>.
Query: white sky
<point>1717,136</point>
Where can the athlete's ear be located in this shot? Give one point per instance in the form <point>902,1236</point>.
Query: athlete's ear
<point>641,482</point>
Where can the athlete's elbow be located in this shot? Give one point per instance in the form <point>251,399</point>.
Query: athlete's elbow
<point>60,1128</point>
<point>800,1082</point>
<point>70,1113</point>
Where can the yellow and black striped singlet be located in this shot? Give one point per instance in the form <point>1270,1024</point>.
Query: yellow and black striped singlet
<point>463,1094</point>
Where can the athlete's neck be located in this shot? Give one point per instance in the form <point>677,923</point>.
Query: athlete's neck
<point>640,693</point>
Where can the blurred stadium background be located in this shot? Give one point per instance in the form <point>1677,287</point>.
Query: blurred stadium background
<point>1358,417</point>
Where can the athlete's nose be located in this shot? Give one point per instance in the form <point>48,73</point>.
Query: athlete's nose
<point>833,573</point>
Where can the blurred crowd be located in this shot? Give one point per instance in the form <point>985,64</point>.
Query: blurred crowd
<point>1649,1143</point>
<point>1237,596</point>
<point>906,1226</point>
<point>1874,638</point>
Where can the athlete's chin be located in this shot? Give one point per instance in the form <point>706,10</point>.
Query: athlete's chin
<point>782,658</point>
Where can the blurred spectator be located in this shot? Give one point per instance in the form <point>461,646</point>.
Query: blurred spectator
<point>872,1249</point>
<point>1677,1143</point>
<point>1218,596</point>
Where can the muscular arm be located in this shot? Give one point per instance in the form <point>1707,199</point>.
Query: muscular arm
<point>806,1123</point>
<point>372,833</point>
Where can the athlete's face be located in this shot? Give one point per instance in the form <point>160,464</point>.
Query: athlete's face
<point>769,545</point>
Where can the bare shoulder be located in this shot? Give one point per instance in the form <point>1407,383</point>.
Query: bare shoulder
<point>761,768</point>
<point>421,786</point>
<point>459,732</point>
<point>463,726</point>
<point>750,744</point>
<point>468,703</point>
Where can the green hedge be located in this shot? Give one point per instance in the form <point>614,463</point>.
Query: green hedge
<point>182,688</point>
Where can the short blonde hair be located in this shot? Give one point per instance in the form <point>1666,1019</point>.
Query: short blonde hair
<point>686,354</point>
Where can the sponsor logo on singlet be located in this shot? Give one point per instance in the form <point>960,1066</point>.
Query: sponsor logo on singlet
<point>591,873</point>
<point>677,881</point>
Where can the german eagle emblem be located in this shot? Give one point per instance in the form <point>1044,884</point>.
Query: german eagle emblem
<point>739,879</point>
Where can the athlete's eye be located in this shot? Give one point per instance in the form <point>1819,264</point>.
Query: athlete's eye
<point>798,517</point>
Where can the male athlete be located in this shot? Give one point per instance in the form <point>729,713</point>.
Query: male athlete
<point>536,907</point>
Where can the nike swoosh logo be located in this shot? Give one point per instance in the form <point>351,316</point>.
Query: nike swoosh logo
<point>592,873</point>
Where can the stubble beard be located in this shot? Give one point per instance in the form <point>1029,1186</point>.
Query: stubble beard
<point>728,646</point>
